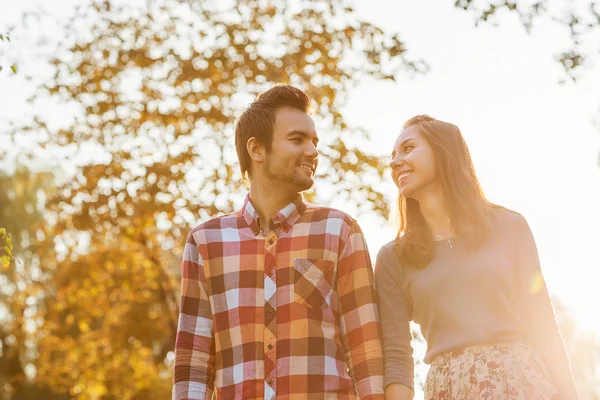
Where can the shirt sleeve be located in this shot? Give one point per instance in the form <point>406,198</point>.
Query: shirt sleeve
<point>358,314</point>
<point>395,314</point>
<point>193,370</point>
<point>537,312</point>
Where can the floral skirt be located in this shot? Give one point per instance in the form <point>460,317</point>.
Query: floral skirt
<point>506,371</point>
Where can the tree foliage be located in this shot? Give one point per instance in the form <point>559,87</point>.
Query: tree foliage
<point>5,249</point>
<point>21,288</point>
<point>156,88</point>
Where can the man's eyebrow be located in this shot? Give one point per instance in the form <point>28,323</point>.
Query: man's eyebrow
<point>302,133</point>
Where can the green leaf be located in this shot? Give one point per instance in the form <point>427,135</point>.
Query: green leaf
<point>14,68</point>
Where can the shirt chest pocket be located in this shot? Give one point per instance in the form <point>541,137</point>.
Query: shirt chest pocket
<point>313,282</point>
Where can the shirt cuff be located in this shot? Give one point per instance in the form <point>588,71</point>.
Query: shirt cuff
<point>399,376</point>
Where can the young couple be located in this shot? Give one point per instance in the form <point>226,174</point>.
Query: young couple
<point>279,299</point>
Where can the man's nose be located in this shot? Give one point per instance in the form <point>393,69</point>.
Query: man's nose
<point>311,151</point>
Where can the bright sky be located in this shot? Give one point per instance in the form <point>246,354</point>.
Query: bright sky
<point>532,140</point>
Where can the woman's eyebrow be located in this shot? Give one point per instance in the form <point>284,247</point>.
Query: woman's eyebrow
<point>405,141</point>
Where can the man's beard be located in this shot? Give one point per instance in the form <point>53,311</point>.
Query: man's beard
<point>294,179</point>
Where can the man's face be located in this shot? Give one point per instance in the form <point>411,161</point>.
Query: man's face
<point>293,158</point>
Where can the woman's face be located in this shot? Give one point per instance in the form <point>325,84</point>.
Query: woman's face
<point>414,166</point>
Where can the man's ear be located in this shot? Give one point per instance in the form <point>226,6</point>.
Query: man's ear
<point>256,150</point>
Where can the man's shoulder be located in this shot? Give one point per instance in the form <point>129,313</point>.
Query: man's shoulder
<point>216,223</point>
<point>324,212</point>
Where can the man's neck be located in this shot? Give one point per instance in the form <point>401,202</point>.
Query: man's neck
<point>434,210</point>
<point>268,199</point>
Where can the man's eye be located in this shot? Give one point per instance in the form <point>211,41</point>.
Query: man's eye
<point>296,140</point>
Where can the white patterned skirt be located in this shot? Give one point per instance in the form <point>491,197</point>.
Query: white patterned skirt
<point>507,371</point>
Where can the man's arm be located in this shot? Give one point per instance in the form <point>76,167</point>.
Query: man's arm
<point>193,371</point>
<point>359,320</point>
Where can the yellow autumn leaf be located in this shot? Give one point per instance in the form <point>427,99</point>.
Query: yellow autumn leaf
<point>83,326</point>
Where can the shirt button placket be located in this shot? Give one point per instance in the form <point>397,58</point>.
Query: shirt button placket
<point>270,335</point>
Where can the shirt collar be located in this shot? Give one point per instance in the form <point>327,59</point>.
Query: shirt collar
<point>286,217</point>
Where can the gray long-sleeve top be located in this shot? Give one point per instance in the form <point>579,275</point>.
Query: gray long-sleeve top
<point>470,297</point>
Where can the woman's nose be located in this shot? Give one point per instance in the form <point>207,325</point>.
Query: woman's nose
<point>396,162</point>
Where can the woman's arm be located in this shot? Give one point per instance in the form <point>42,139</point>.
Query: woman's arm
<point>538,315</point>
<point>395,314</point>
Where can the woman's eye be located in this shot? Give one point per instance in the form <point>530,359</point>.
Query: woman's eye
<point>407,149</point>
<point>296,140</point>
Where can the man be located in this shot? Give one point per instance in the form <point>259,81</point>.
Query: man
<point>277,298</point>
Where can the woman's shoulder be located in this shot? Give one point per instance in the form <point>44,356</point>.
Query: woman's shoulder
<point>387,264</point>
<point>505,218</point>
<point>391,250</point>
<point>387,253</point>
<point>389,246</point>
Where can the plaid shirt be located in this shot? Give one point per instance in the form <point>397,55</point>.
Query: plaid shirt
<point>290,313</point>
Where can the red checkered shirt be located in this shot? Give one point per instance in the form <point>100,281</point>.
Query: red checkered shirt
<point>289,313</point>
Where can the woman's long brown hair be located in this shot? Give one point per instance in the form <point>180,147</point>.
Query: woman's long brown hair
<point>466,203</point>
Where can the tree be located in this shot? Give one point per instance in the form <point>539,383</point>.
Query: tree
<point>157,88</point>
<point>21,200</point>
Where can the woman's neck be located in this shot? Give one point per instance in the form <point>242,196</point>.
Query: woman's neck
<point>435,212</point>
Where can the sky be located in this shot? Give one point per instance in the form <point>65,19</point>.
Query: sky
<point>532,140</point>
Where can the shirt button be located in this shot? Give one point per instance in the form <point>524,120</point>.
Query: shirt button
<point>271,241</point>
<point>270,382</point>
<point>270,347</point>
<point>270,309</point>
<point>270,274</point>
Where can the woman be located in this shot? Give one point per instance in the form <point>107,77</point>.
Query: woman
<point>467,272</point>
